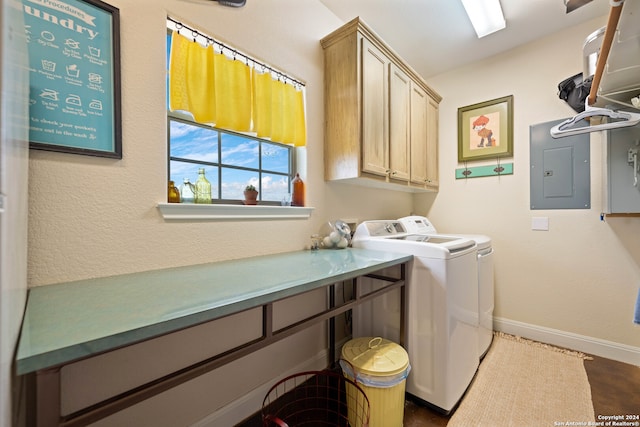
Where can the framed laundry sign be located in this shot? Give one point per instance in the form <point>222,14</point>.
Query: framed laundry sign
<point>485,130</point>
<point>74,76</point>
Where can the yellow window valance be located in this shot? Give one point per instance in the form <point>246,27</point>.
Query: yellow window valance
<point>262,85</point>
<point>191,86</point>
<point>231,94</point>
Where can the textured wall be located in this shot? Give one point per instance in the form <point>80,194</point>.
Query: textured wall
<point>94,217</point>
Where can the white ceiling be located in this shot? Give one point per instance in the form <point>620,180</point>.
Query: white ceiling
<point>434,36</point>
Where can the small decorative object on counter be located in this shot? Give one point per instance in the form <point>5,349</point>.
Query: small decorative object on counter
<point>250,195</point>
<point>187,191</point>
<point>316,240</point>
<point>174,194</point>
<point>337,235</point>
<point>203,188</point>
<point>297,197</point>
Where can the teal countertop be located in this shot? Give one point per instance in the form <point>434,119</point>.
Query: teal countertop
<point>71,321</point>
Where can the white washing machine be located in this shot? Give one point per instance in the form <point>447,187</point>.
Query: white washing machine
<point>421,225</point>
<point>441,309</point>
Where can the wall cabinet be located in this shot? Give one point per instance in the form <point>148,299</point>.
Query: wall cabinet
<point>375,121</point>
<point>381,124</point>
<point>399,123</point>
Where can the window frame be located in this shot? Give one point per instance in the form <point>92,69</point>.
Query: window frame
<point>220,165</point>
<point>220,209</point>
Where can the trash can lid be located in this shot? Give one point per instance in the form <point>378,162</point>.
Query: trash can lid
<point>375,356</point>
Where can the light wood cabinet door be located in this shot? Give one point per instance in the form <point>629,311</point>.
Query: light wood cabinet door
<point>399,121</point>
<point>375,104</point>
<point>433,113</point>
<point>380,129</point>
<point>419,123</point>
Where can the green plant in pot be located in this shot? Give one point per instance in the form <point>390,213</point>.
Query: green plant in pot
<point>250,195</point>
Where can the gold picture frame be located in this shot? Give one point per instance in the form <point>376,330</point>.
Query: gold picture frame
<point>485,130</point>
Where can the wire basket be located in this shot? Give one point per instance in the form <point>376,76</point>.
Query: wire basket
<point>315,398</point>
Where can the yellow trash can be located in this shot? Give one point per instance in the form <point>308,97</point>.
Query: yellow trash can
<point>381,368</point>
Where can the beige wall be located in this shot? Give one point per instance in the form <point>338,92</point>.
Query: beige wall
<point>582,275</point>
<point>91,217</point>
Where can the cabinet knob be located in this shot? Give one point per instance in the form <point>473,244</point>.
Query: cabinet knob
<point>394,173</point>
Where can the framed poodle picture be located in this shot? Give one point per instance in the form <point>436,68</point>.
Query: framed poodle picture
<point>485,130</point>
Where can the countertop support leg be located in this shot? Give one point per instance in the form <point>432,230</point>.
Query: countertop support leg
<point>332,326</point>
<point>403,306</point>
<point>267,320</point>
<point>45,400</point>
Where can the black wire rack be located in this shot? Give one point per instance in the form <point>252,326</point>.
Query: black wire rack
<point>315,398</point>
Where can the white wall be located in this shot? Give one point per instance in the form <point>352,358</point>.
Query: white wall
<point>581,276</point>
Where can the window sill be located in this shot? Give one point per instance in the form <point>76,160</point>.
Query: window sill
<point>189,211</point>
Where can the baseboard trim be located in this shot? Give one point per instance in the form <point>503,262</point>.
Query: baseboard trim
<point>594,346</point>
<point>250,403</point>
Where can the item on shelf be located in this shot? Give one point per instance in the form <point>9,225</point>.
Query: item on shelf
<point>297,197</point>
<point>250,195</point>
<point>187,191</point>
<point>203,188</point>
<point>286,200</point>
<point>174,193</point>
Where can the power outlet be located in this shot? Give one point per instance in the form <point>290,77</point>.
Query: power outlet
<point>540,223</point>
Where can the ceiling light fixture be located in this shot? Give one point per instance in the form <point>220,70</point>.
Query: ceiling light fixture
<point>485,15</point>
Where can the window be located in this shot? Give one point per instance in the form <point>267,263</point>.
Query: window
<point>232,160</point>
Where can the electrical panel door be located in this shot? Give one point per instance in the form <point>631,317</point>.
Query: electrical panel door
<point>622,174</point>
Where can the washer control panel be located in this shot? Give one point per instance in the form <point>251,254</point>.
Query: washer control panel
<point>417,224</point>
<point>381,228</point>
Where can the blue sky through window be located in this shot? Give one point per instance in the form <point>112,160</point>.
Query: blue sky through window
<point>193,147</point>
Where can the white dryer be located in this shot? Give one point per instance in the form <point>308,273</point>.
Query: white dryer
<point>441,309</point>
<point>421,225</point>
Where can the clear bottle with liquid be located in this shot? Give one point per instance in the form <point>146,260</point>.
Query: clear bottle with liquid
<point>187,191</point>
<point>203,188</point>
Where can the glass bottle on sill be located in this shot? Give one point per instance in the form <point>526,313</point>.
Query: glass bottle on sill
<point>203,188</point>
<point>297,195</point>
<point>173,193</point>
<point>187,191</point>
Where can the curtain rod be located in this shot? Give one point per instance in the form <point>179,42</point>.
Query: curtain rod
<point>195,33</point>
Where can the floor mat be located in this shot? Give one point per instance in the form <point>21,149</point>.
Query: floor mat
<point>526,383</point>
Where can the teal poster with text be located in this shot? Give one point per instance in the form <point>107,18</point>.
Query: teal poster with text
<point>72,82</point>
